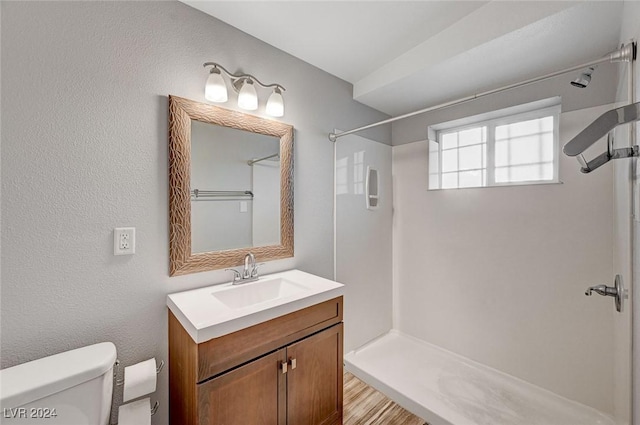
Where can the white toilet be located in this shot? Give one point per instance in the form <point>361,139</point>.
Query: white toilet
<point>76,386</point>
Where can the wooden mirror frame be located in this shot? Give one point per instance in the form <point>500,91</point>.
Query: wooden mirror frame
<point>181,259</point>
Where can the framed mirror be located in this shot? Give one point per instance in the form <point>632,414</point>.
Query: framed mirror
<point>230,187</point>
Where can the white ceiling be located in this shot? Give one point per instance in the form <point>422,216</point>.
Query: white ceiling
<point>405,55</point>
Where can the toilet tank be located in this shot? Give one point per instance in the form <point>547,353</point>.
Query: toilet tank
<point>70,388</point>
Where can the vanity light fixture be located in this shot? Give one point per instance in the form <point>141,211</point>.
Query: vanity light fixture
<point>275,103</point>
<point>215,89</point>
<point>245,85</point>
<point>247,96</point>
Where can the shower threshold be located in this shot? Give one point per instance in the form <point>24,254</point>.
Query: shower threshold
<point>444,388</point>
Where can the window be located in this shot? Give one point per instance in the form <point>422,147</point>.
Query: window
<point>503,150</point>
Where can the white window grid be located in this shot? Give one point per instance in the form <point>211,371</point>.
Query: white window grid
<point>489,141</point>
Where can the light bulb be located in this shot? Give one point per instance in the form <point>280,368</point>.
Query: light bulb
<point>215,90</point>
<point>275,104</point>
<point>248,98</point>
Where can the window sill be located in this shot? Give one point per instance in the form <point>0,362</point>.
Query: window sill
<point>500,185</point>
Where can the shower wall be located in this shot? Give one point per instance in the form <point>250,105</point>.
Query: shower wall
<point>498,274</point>
<point>627,227</point>
<point>622,255</point>
<point>363,239</point>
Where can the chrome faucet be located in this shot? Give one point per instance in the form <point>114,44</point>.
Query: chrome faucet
<point>250,272</point>
<point>249,266</point>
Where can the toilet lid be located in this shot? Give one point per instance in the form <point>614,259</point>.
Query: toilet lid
<point>40,378</point>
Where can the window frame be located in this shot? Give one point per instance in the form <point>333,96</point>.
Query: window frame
<point>494,120</point>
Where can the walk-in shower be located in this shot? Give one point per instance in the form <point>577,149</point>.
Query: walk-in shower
<point>436,383</point>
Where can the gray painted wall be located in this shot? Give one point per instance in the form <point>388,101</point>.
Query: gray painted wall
<point>84,150</point>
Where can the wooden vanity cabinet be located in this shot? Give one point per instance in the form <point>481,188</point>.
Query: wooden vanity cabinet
<point>314,387</point>
<point>246,395</point>
<point>286,371</point>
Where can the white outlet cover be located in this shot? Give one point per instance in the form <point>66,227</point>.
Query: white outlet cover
<point>124,241</point>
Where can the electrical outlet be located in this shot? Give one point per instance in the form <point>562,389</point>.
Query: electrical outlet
<point>124,241</point>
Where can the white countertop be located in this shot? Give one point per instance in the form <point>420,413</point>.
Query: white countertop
<point>204,314</point>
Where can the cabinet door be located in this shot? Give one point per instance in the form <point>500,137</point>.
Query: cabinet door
<point>251,394</point>
<point>314,380</point>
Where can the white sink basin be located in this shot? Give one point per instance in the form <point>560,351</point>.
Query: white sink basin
<point>218,310</point>
<point>247,295</point>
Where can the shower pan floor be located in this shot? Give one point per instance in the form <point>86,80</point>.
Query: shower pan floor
<point>444,388</point>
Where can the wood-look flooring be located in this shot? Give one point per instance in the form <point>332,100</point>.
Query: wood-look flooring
<point>363,405</point>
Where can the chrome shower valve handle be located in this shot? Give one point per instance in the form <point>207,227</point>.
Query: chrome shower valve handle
<point>617,291</point>
<point>602,290</point>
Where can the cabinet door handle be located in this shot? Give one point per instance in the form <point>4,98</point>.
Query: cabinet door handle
<point>293,363</point>
<point>284,367</point>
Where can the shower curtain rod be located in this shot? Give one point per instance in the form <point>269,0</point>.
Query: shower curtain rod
<point>626,53</point>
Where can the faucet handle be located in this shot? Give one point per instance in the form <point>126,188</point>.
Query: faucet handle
<point>236,274</point>
<point>254,272</point>
<point>602,290</point>
<point>596,288</point>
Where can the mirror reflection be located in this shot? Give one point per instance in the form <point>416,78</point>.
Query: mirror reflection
<point>235,188</point>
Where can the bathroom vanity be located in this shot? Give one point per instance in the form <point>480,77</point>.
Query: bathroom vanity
<point>266,352</point>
